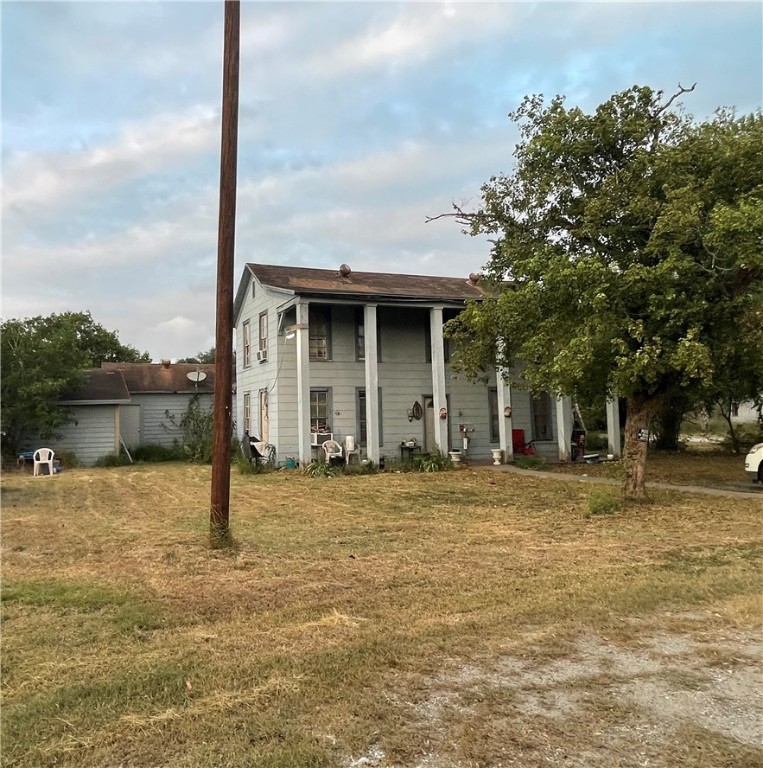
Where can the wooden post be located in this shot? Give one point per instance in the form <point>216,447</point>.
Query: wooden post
<point>226,235</point>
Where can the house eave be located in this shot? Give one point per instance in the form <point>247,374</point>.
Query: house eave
<point>95,402</point>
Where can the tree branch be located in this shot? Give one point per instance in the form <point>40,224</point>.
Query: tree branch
<point>681,90</point>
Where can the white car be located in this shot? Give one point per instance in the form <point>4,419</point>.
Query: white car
<point>753,463</point>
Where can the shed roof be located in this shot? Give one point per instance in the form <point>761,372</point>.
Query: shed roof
<point>164,377</point>
<point>102,386</point>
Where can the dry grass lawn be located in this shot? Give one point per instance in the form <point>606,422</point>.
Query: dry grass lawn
<point>446,620</point>
<point>709,469</point>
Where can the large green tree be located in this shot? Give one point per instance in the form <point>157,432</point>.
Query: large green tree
<point>626,254</point>
<point>43,358</point>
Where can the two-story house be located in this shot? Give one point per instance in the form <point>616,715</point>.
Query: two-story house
<point>362,355</point>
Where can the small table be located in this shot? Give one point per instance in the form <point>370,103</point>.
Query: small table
<point>410,450</point>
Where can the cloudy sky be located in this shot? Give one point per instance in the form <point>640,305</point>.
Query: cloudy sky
<point>357,120</point>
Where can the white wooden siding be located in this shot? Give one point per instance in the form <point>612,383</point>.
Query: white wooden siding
<point>91,435</point>
<point>258,375</point>
<point>405,376</point>
<point>156,427</point>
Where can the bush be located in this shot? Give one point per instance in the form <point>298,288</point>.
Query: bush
<point>604,502</point>
<point>367,468</point>
<point>320,469</point>
<point>113,460</point>
<point>247,467</point>
<point>67,458</point>
<point>595,441</point>
<point>197,424</point>
<point>156,453</point>
<point>432,462</point>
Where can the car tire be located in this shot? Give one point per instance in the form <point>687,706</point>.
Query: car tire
<point>760,472</point>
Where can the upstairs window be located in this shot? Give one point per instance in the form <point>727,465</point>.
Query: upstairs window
<point>263,341</point>
<point>247,341</point>
<point>320,335</point>
<point>360,335</point>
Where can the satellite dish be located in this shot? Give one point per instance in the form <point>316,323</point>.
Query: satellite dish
<point>196,376</point>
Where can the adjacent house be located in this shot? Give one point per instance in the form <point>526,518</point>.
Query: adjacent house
<point>130,404</point>
<point>361,355</point>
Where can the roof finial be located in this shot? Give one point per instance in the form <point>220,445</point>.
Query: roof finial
<point>345,270</point>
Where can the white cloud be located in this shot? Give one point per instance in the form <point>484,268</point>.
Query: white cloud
<point>418,32</point>
<point>40,183</point>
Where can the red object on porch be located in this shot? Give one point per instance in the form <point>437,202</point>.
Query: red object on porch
<point>519,445</point>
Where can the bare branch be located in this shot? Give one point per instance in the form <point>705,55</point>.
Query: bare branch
<point>458,213</point>
<point>681,90</point>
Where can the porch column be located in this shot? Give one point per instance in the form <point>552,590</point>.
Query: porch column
<point>372,383</point>
<point>439,399</point>
<point>613,427</point>
<point>505,442</point>
<point>564,427</point>
<point>303,383</point>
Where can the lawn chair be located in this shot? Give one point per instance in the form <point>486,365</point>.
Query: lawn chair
<point>333,451</point>
<point>42,456</point>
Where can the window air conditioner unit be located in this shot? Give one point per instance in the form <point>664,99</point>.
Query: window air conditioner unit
<point>262,355</point>
<point>319,438</point>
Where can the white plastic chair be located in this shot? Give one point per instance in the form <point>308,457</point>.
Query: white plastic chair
<point>43,456</point>
<point>332,449</point>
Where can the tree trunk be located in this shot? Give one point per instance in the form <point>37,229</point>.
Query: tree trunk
<point>726,413</point>
<point>669,418</point>
<point>640,413</point>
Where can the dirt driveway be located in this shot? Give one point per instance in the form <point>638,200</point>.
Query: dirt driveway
<point>684,697</point>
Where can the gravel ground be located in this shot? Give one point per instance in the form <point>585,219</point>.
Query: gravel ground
<point>689,698</point>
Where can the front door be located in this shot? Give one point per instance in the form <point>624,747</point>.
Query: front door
<point>264,426</point>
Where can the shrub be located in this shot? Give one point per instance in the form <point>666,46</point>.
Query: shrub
<point>247,467</point>
<point>319,469</point>
<point>197,424</point>
<point>113,460</point>
<point>67,458</point>
<point>432,462</point>
<point>595,441</point>
<point>367,468</point>
<point>604,502</point>
<point>155,453</point>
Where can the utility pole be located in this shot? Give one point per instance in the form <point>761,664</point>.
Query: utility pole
<point>219,525</point>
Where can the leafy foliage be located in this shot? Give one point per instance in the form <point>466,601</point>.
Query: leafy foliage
<point>201,357</point>
<point>197,424</point>
<point>319,469</point>
<point>626,255</point>
<point>152,453</point>
<point>44,358</point>
<point>432,462</point>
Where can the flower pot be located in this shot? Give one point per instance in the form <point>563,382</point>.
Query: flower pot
<point>455,457</point>
<point>497,455</point>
